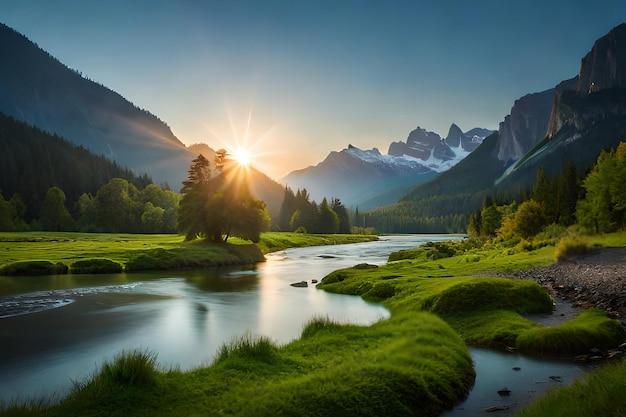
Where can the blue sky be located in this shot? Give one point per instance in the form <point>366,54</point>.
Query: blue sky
<point>296,80</point>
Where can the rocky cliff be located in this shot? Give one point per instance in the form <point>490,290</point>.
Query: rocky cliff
<point>525,126</point>
<point>603,68</point>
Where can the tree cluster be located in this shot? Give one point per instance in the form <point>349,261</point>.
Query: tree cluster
<point>117,207</point>
<point>218,205</point>
<point>33,161</point>
<point>299,213</point>
<point>596,202</point>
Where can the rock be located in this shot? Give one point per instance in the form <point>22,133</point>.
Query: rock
<point>300,284</point>
<point>497,408</point>
<point>504,392</point>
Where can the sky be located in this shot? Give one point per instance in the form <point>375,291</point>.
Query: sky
<point>293,80</point>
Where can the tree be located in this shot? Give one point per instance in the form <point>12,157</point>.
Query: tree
<point>220,206</point>
<point>603,208</point>
<point>287,208</point>
<point>199,173</point>
<point>114,208</point>
<point>53,215</point>
<point>327,219</point>
<point>342,214</point>
<point>529,219</point>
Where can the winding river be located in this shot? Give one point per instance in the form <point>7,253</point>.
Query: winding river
<point>59,329</point>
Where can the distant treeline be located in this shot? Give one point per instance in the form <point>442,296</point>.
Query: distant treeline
<point>47,183</point>
<point>299,213</point>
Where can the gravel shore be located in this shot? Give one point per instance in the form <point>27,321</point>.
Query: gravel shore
<point>596,279</point>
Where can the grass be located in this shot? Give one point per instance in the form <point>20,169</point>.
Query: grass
<point>591,329</point>
<point>459,282</point>
<point>408,365</point>
<point>441,296</point>
<point>145,252</point>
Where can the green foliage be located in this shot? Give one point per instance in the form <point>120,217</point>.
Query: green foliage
<point>297,212</point>
<point>568,247</point>
<point>96,266</point>
<point>591,329</point>
<point>33,161</point>
<point>603,208</point>
<point>219,207</point>
<point>34,268</point>
<point>54,215</point>
<point>529,219</point>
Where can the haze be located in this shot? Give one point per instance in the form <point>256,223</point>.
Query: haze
<point>296,80</point>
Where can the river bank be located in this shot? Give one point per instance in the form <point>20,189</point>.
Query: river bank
<point>595,279</point>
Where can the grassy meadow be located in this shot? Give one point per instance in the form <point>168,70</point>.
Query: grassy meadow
<point>442,296</point>
<point>136,252</point>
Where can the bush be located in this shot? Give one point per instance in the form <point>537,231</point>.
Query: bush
<point>96,266</point>
<point>153,259</point>
<point>570,247</point>
<point>34,268</point>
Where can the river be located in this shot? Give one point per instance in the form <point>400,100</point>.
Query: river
<point>59,329</point>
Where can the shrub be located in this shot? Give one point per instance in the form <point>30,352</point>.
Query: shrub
<point>570,247</point>
<point>153,259</point>
<point>96,266</point>
<point>34,268</point>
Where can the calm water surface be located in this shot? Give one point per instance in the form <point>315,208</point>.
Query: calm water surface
<point>57,329</point>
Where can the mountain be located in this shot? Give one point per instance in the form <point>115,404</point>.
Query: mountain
<point>39,90</point>
<point>369,179</point>
<point>574,122</point>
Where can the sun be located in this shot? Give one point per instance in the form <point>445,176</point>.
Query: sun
<point>242,156</point>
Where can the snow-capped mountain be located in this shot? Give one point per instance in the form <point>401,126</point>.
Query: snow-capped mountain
<point>369,179</point>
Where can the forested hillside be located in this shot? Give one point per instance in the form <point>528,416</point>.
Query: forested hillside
<point>32,161</point>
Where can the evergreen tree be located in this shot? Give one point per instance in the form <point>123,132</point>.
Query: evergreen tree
<point>287,208</point>
<point>342,214</point>
<point>327,219</point>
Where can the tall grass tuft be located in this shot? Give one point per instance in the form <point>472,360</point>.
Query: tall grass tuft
<point>569,247</point>
<point>260,348</point>
<point>132,368</point>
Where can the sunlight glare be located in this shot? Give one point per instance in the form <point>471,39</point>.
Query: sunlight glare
<point>242,157</point>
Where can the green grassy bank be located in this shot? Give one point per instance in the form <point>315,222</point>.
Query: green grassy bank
<point>459,281</point>
<point>40,253</point>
